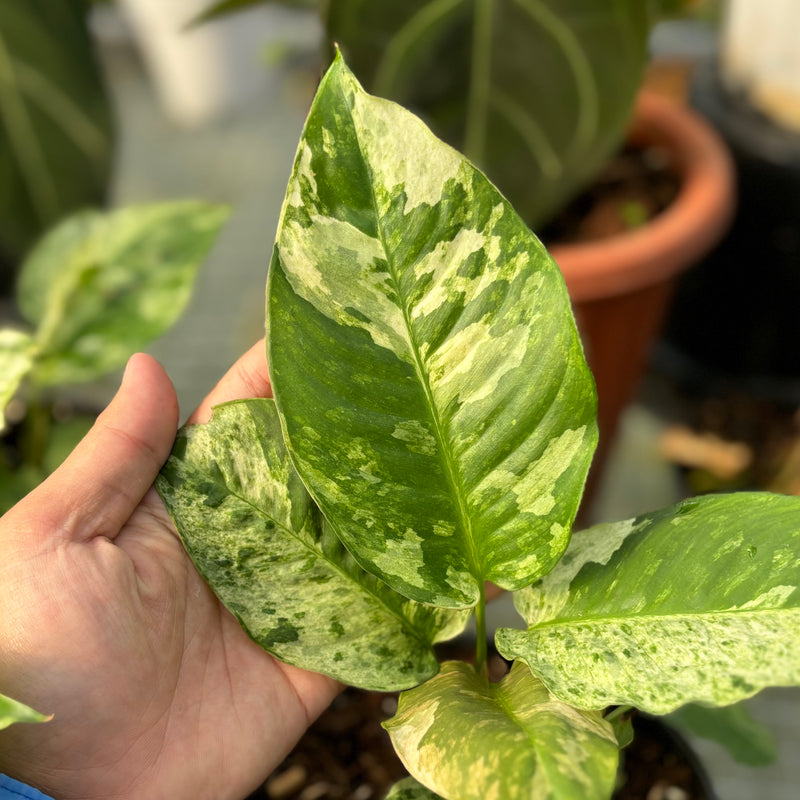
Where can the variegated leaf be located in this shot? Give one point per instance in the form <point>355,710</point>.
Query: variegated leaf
<point>424,357</point>
<point>257,538</point>
<point>410,789</point>
<point>16,361</point>
<point>467,739</point>
<point>698,602</point>
<point>12,711</point>
<point>100,286</point>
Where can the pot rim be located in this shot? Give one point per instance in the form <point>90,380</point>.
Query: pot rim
<point>678,236</point>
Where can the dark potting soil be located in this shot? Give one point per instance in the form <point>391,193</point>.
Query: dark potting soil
<point>346,755</point>
<point>633,187</point>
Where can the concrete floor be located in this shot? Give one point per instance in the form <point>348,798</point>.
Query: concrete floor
<point>244,159</point>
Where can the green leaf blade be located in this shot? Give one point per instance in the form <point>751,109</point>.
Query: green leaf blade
<point>100,286</point>
<point>256,537</point>
<point>423,356</point>
<point>696,603</point>
<point>454,731</point>
<point>12,711</point>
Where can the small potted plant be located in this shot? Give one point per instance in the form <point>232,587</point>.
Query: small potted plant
<point>433,424</point>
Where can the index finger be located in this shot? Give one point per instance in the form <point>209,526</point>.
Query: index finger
<point>247,378</point>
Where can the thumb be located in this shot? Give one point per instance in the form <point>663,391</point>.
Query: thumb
<point>106,476</point>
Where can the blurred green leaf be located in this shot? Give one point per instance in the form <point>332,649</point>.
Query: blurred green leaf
<point>537,93</point>
<point>16,361</point>
<point>101,286</point>
<point>55,119</point>
<point>745,738</point>
<point>225,7</point>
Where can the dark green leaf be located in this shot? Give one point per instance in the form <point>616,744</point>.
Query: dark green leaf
<point>55,120</point>
<point>746,740</point>
<point>536,92</point>
<point>17,352</point>
<point>225,7</point>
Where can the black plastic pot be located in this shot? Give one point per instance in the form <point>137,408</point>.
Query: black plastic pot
<point>735,318</point>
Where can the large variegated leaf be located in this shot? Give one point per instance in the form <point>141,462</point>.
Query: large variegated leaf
<point>536,92</point>
<point>747,740</point>
<point>423,356</point>
<point>254,534</point>
<point>699,602</point>
<point>12,711</point>
<point>466,739</point>
<point>100,286</point>
<point>16,361</point>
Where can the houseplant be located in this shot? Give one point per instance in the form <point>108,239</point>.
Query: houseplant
<point>433,425</point>
<point>540,94</point>
<point>93,290</point>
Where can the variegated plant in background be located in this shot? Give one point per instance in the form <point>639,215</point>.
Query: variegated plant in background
<point>432,427</point>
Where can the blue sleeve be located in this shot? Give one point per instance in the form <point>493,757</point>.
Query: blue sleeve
<point>14,790</point>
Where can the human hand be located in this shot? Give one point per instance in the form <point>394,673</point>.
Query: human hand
<point>104,622</point>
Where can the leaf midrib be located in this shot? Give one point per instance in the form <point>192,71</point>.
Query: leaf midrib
<point>439,427</point>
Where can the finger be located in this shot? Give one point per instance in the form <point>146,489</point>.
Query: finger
<point>248,377</point>
<point>106,476</point>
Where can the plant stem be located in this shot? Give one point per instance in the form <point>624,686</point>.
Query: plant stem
<point>617,712</point>
<point>480,633</point>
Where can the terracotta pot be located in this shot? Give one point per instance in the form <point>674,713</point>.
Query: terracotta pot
<point>620,286</point>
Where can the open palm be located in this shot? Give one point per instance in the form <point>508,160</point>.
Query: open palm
<point>104,622</point>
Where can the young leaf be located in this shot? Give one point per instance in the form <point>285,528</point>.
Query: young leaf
<point>424,357</point>
<point>12,711</point>
<point>410,789</point>
<point>698,602</point>
<point>467,739</point>
<point>100,286</point>
<point>256,537</point>
<point>733,727</point>
<point>16,361</point>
